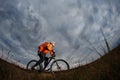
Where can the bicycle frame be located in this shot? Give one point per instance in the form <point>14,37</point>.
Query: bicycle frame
<point>50,59</point>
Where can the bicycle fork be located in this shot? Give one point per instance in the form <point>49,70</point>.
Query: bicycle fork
<point>58,67</point>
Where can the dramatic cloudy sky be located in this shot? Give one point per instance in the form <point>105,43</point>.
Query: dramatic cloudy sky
<point>24,24</point>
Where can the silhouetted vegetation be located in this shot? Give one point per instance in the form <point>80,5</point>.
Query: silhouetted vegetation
<point>106,42</point>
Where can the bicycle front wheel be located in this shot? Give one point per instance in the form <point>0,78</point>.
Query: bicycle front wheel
<point>31,64</point>
<point>59,65</point>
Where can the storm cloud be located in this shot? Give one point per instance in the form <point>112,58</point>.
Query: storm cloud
<point>24,24</point>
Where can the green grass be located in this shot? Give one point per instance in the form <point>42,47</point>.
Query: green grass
<point>105,68</point>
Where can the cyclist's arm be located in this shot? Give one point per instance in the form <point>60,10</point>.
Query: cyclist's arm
<point>52,53</point>
<point>40,49</point>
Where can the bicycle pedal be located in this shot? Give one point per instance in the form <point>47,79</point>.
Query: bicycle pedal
<point>48,69</point>
<point>39,71</point>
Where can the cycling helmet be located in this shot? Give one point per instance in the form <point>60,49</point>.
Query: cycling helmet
<point>53,43</point>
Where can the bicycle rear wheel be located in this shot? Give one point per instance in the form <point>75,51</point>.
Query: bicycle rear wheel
<point>59,65</point>
<point>31,64</point>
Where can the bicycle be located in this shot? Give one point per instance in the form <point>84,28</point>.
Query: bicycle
<point>55,65</point>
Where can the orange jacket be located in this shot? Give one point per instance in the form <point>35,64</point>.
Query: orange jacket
<point>46,48</point>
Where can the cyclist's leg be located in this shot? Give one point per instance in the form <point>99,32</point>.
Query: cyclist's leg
<point>42,58</point>
<point>46,61</point>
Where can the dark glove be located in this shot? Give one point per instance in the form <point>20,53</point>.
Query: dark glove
<point>53,51</point>
<point>53,55</point>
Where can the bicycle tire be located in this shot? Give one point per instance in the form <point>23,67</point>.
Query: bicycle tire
<point>28,64</point>
<point>56,62</point>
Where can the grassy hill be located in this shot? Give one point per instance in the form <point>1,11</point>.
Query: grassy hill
<point>105,68</point>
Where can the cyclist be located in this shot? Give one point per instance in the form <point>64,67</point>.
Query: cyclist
<point>43,49</point>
